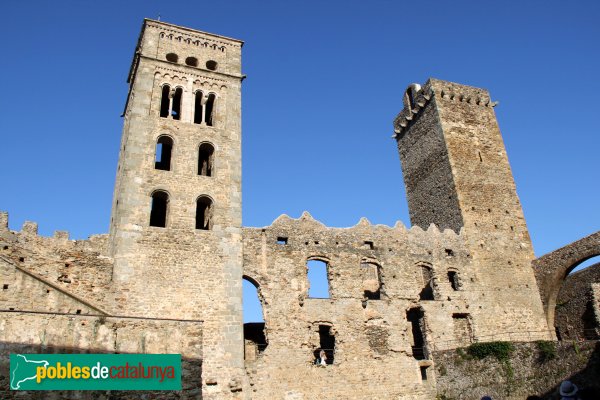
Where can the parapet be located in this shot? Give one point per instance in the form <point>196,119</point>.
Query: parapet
<point>415,99</point>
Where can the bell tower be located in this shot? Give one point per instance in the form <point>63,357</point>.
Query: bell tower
<point>175,231</point>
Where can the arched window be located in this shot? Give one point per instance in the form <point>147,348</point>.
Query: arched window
<point>164,101</point>
<point>205,159</point>
<point>164,147</point>
<point>427,292</point>
<point>176,110</point>
<point>172,57</point>
<point>371,275</point>
<point>159,207</point>
<point>318,280</point>
<point>210,106</point>
<point>204,213</point>
<point>198,107</point>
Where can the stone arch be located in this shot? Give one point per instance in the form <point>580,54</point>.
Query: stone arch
<point>255,332</point>
<point>552,269</point>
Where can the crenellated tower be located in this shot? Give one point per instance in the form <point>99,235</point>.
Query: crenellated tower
<point>175,231</point>
<point>457,176</point>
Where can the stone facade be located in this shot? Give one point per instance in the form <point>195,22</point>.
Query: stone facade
<point>168,275</point>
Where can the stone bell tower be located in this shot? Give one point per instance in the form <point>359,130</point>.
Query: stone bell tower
<point>458,177</point>
<point>175,231</point>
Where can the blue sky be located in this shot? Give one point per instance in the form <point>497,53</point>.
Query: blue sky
<point>325,80</point>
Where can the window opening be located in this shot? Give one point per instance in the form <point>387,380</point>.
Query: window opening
<point>210,106</point>
<point>191,61</point>
<point>205,159</point>
<point>325,354</point>
<point>172,57</point>
<point>164,147</point>
<point>176,110</point>
<point>164,101</point>
<point>318,282</point>
<point>211,65</point>
<point>198,107</point>
<point>427,278</point>
<point>204,211</point>
<point>158,213</point>
<point>416,318</point>
<point>453,279</point>
<point>255,339</point>
<point>371,275</point>
<point>282,240</point>
<point>423,373</point>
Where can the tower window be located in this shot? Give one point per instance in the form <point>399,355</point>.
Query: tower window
<point>164,101</point>
<point>191,61</point>
<point>158,212</point>
<point>205,159</point>
<point>198,107</point>
<point>204,212</point>
<point>172,57</point>
<point>176,110</point>
<point>453,279</point>
<point>210,106</point>
<point>164,147</point>
<point>211,65</point>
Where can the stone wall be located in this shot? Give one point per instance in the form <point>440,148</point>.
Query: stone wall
<point>575,317</point>
<point>529,371</point>
<point>23,332</point>
<point>373,338</point>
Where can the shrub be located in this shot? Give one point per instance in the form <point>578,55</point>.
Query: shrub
<point>546,349</point>
<point>500,350</point>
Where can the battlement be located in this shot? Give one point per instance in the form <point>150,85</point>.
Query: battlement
<point>416,97</point>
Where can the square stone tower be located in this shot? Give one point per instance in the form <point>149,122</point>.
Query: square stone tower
<point>458,177</point>
<point>175,231</point>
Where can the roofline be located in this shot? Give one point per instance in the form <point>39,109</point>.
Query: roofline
<point>241,42</point>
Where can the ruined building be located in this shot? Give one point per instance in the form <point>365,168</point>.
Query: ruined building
<point>167,278</point>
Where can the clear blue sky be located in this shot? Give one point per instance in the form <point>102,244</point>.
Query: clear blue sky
<point>325,80</point>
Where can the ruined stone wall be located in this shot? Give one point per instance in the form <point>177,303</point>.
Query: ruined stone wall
<point>528,371</point>
<point>22,332</point>
<point>575,317</point>
<point>373,356</point>
<point>53,273</point>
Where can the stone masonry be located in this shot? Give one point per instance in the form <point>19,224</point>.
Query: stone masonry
<point>168,275</point>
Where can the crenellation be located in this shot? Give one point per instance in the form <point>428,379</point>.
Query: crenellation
<point>4,220</point>
<point>29,228</point>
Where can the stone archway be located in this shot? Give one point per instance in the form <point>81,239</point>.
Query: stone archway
<point>552,269</point>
